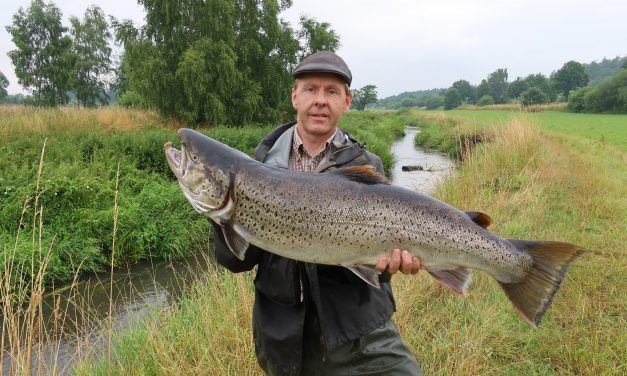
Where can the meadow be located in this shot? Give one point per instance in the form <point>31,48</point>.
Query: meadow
<point>537,182</point>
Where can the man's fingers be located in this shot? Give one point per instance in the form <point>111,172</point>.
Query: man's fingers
<point>406,263</point>
<point>415,265</point>
<point>395,261</point>
<point>382,264</point>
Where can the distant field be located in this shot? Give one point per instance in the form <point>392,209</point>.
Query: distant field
<point>607,128</point>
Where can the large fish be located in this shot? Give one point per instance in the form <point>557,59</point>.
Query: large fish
<point>352,216</point>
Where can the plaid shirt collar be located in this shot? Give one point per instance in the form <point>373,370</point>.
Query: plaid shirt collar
<point>300,160</point>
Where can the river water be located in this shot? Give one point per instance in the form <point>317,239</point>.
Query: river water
<point>141,289</point>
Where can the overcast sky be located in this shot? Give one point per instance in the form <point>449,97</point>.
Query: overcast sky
<point>408,45</point>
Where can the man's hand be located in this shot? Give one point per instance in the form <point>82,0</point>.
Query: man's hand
<point>399,260</point>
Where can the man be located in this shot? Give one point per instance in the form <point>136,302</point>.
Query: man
<point>320,319</point>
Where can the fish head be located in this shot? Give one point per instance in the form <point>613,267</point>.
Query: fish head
<point>203,171</point>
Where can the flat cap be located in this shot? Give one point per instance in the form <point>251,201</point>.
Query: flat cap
<point>324,62</point>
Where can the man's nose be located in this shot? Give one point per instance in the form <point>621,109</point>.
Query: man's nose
<point>320,98</point>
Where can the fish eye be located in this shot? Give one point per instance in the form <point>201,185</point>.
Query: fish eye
<point>194,157</point>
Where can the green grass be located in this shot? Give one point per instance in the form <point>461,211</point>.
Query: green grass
<point>605,128</point>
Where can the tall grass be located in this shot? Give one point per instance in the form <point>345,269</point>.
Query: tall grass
<point>534,187</point>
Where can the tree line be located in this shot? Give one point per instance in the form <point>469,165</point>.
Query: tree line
<point>561,85</point>
<point>212,62</point>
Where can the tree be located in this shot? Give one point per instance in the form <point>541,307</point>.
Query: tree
<point>516,88</point>
<point>467,92</point>
<point>42,60</point>
<point>541,82</point>
<point>4,83</point>
<point>316,36</point>
<point>497,84</point>
<point>483,89</point>
<point>364,96</point>
<point>434,102</point>
<point>570,77</point>
<point>215,61</point>
<point>409,102</point>
<point>452,99</point>
<point>93,56</point>
<point>533,96</point>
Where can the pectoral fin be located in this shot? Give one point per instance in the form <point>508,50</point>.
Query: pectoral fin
<point>457,279</point>
<point>368,273</point>
<point>236,243</point>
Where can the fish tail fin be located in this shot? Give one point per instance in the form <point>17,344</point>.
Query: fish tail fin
<point>534,294</point>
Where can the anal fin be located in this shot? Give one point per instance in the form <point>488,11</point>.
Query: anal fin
<point>236,243</point>
<point>368,273</point>
<point>457,279</point>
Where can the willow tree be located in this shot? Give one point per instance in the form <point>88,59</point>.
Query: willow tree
<point>217,61</point>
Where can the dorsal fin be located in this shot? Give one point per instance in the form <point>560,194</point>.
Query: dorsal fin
<point>365,174</point>
<point>480,219</point>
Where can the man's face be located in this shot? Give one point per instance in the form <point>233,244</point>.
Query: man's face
<point>319,99</point>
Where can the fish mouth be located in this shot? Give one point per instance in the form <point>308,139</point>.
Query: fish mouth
<point>175,159</point>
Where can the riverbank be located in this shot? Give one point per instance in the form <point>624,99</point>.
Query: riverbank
<point>536,184</point>
<point>539,176</point>
<point>82,190</point>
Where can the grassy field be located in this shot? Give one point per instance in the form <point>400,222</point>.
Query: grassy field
<point>537,181</point>
<point>544,176</point>
<point>609,129</point>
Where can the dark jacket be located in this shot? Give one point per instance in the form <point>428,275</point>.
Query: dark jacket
<point>287,291</point>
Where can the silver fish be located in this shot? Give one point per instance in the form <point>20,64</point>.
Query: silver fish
<point>352,216</point>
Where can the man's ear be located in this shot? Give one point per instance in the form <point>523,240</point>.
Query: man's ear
<point>294,99</point>
<point>349,99</point>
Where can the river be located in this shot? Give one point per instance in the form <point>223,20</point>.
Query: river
<point>140,289</point>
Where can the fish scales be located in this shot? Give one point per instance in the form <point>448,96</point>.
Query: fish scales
<point>356,222</point>
<point>352,217</point>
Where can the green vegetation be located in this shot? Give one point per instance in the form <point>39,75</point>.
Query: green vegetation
<point>535,184</point>
<point>537,89</point>
<point>605,129</point>
<point>604,69</point>
<point>83,150</point>
<point>363,97</point>
<point>608,97</point>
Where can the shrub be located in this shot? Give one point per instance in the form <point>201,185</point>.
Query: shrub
<point>485,100</point>
<point>434,102</point>
<point>130,99</point>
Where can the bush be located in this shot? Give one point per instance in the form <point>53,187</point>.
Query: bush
<point>533,96</point>
<point>486,100</point>
<point>130,99</point>
<point>435,102</point>
<point>576,102</point>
